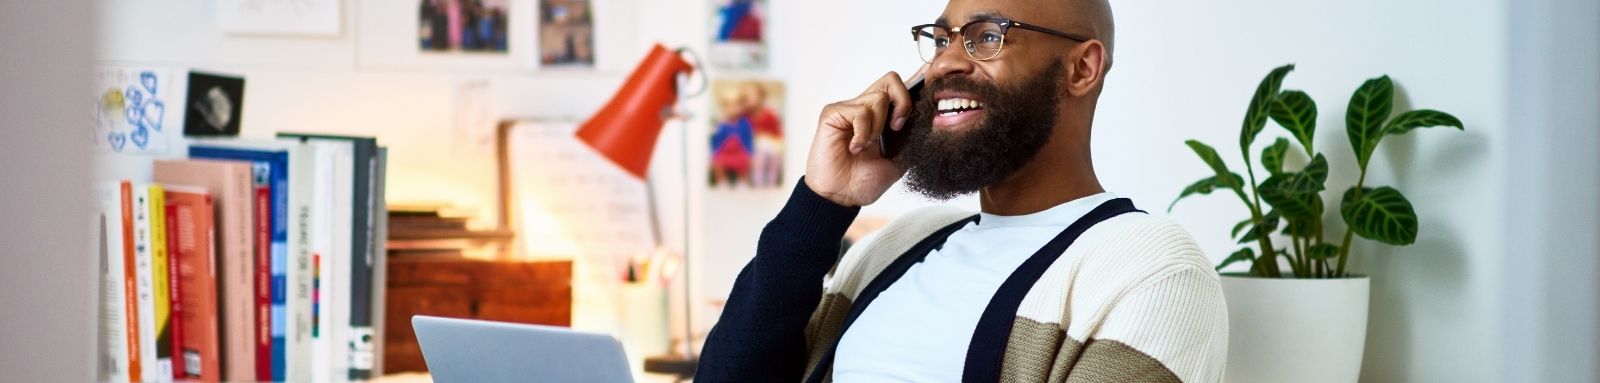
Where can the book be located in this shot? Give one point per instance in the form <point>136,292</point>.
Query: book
<point>332,241</point>
<point>117,342</point>
<point>380,260</point>
<point>234,197</point>
<point>269,175</point>
<point>357,338</point>
<point>144,263</point>
<point>291,273</point>
<point>191,220</point>
<point>174,290</point>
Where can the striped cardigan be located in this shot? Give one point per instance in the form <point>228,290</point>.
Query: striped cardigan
<point>1132,300</point>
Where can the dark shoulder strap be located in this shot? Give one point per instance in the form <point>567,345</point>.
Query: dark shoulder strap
<point>887,277</point>
<point>988,347</point>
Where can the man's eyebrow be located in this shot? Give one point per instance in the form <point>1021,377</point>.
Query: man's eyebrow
<point>980,15</point>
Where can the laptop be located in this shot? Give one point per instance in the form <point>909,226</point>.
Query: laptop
<point>461,350</point>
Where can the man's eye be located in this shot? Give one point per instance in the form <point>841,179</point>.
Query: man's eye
<point>941,42</point>
<point>989,37</point>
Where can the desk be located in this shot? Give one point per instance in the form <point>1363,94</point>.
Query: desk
<point>506,291</point>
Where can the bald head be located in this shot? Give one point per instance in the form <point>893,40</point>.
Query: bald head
<point>1091,18</point>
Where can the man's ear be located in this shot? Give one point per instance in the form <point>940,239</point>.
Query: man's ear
<point>1086,68</point>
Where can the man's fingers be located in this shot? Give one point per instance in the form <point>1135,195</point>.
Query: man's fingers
<point>900,98</point>
<point>862,120</point>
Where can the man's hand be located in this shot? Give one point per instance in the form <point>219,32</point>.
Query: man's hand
<point>845,164</point>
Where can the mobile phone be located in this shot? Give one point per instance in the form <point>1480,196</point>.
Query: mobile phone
<point>891,141</point>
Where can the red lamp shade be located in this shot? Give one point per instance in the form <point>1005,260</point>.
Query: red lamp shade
<point>625,130</point>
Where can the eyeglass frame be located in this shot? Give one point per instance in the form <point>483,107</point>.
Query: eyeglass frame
<point>1005,29</point>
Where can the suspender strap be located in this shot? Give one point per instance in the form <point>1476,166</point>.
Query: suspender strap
<point>988,347</point>
<point>887,277</point>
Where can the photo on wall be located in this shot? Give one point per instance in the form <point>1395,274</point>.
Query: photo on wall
<point>566,33</point>
<point>216,102</point>
<point>747,142</point>
<point>473,26</point>
<point>739,40</point>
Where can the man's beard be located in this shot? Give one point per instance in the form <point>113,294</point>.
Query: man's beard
<point>1017,122</point>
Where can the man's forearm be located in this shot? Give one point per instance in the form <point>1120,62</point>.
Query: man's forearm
<point>761,334</point>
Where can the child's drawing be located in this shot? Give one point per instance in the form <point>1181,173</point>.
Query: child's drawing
<point>131,110</point>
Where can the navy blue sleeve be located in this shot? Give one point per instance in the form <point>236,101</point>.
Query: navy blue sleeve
<point>761,335</point>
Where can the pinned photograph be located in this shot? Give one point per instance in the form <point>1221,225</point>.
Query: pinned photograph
<point>566,33</point>
<point>747,134</point>
<point>738,34</point>
<point>216,103</point>
<point>478,26</point>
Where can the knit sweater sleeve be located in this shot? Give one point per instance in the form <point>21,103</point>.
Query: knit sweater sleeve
<point>1172,327</point>
<point>761,334</point>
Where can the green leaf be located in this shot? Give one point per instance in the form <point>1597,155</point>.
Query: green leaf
<point>1322,251</point>
<point>1206,186</point>
<point>1295,193</point>
<point>1380,214</point>
<point>1243,255</point>
<point>1272,156</point>
<point>1301,227</point>
<point>1239,227</point>
<point>1224,177</point>
<point>1424,118</point>
<point>1369,107</point>
<point>1296,112</point>
<point>1269,221</point>
<point>1317,169</point>
<point>1255,118</point>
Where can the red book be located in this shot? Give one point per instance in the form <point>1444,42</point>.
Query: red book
<point>191,224</point>
<point>131,276</point>
<point>263,229</point>
<point>233,197</point>
<point>174,286</point>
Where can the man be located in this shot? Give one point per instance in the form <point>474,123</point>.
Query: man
<point>1055,280</point>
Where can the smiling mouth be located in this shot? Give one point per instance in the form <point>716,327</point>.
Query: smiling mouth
<point>951,107</point>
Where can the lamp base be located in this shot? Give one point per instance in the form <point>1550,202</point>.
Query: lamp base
<point>672,364</point>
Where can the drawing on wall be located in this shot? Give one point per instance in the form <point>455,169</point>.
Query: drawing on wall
<point>286,17</point>
<point>216,103</point>
<point>747,135</point>
<point>566,32</point>
<point>131,110</point>
<point>476,26</point>
<point>738,34</point>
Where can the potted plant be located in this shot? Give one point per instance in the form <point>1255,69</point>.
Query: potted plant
<point>1298,314</point>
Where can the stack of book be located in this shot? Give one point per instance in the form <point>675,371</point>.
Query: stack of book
<point>421,230</point>
<point>250,260</point>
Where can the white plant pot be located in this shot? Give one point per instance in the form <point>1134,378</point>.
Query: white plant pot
<point>1295,330</point>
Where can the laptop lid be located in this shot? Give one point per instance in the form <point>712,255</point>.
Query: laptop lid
<point>461,350</point>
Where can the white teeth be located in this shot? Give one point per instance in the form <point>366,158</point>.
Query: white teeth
<point>951,104</point>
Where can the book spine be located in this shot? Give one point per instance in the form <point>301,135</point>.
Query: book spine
<point>380,258</point>
<point>361,350</point>
<point>162,296</point>
<point>130,298</point>
<point>280,266</point>
<point>146,282</point>
<point>302,193</point>
<point>263,278</point>
<point>175,259</point>
<point>238,343</point>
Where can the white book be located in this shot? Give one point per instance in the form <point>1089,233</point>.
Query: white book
<point>302,197</point>
<point>144,286</point>
<point>330,355</point>
<point>113,310</point>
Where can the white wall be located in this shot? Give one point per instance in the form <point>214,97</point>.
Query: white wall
<point>1184,70</point>
<point>49,267</point>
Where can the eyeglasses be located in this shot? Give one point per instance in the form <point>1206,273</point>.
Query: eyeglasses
<point>981,38</point>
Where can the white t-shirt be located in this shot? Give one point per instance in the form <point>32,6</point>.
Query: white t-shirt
<point>918,329</point>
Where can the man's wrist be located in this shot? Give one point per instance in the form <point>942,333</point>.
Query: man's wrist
<point>808,216</point>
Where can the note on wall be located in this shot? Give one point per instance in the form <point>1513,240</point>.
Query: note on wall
<point>279,17</point>
<point>574,202</point>
<point>134,111</point>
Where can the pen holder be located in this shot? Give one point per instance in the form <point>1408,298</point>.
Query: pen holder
<point>643,310</point>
